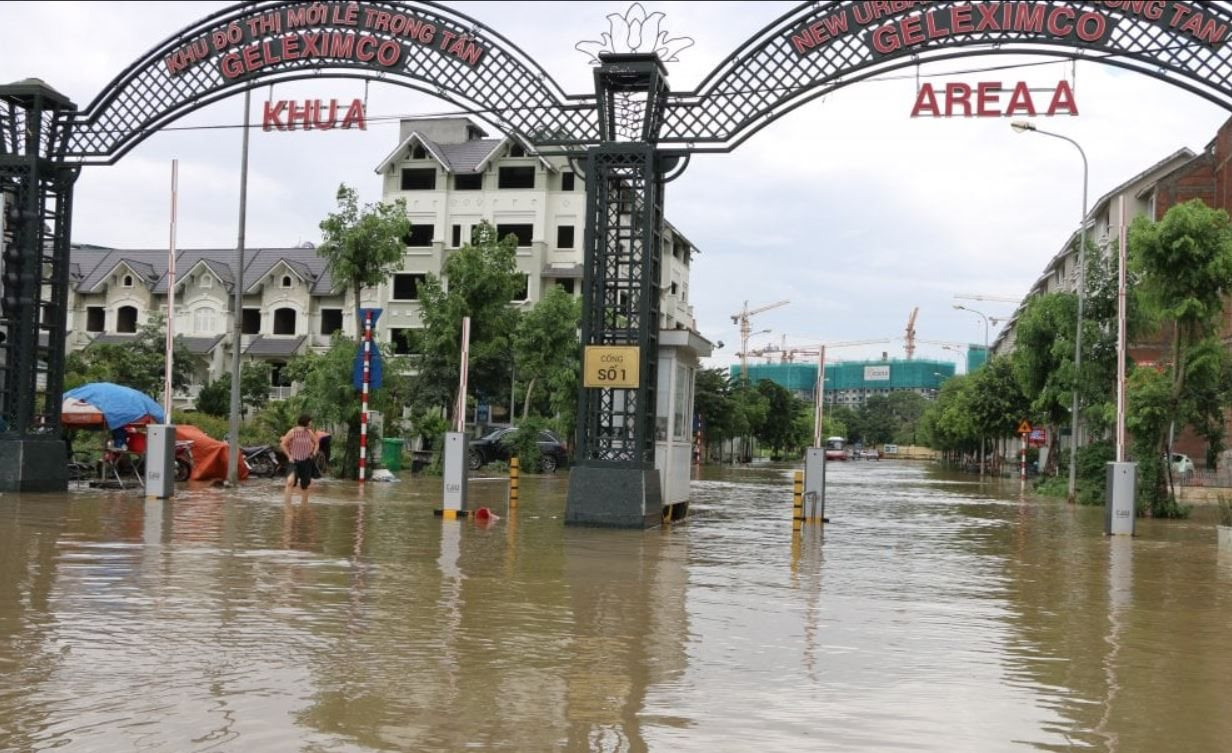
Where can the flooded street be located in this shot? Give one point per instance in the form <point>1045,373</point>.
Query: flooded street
<point>932,614</point>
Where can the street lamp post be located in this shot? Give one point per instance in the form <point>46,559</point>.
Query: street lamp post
<point>983,316</point>
<point>1023,126</point>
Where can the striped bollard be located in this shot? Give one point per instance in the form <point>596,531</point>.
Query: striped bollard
<point>797,502</point>
<point>514,470</point>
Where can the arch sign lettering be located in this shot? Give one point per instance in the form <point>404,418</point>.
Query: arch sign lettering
<point>629,137</point>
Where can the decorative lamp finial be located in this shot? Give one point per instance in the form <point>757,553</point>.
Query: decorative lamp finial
<point>635,31</point>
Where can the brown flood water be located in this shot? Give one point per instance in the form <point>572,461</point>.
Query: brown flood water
<point>932,614</point>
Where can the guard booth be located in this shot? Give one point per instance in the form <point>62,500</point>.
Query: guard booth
<point>680,352</point>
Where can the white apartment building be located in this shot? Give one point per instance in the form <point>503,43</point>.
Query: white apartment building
<point>452,177</point>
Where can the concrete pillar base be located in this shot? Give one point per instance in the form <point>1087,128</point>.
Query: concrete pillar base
<point>614,497</point>
<point>33,465</point>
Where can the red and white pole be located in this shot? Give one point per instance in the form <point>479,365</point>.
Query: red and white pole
<point>363,399</point>
<point>1022,460</point>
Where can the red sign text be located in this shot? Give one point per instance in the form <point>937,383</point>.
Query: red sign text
<point>312,115</point>
<point>990,99</point>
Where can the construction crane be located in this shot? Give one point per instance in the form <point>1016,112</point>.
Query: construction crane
<point>742,318</point>
<point>911,333</point>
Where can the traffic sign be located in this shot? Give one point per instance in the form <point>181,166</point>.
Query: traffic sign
<point>1024,427</point>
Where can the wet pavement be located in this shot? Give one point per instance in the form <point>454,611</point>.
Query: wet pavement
<point>933,613</point>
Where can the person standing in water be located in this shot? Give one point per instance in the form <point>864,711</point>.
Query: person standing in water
<point>300,445</point>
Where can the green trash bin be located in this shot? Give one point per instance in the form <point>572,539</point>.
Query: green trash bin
<point>391,454</point>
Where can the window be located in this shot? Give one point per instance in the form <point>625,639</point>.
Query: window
<point>524,293</point>
<point>517,150</point>
<point>286,281</point>
<point>568,285</point>
<point>680,426</point>
<point>470,182</point>
<point>564,236</point>
<point>127,282</point>
<point>251,322</point>
<point>278,374</point>
<point>516,177</point>
<point>126,319</point>
<point>206,280</point>
<point>203,321</point>
<point>284,321</point>
<point>420,236</point>
<point>419,179</point>
<point>403,341</point>
<point>455,236</point>
<point>523,232</point>
<point>406,287</point>
<point>95,316</point>
<point>419,152</point>
<point>566,180</point>
<point>331,321</point>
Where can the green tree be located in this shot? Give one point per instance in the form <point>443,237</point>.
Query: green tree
<point>483,279</point>
<point>138,364</point>
<point>546,347</point>
<point>363,247</point>
<point>1185,264</point>
<point>781,429</point>
<point>215,397</point>
<point>712,401</point>
<point>1043,360</point>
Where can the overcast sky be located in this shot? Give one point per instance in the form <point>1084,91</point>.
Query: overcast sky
<point>848,207</point>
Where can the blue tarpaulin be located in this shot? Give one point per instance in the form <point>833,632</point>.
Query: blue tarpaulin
<point>119,405</point>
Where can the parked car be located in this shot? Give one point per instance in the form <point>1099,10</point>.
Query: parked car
<point>1181,465</point>
<point>491,447</point>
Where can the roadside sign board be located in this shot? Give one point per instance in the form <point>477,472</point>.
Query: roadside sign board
<point>612,366</point>
<point>1024,427</point>
<point>1038,437</point>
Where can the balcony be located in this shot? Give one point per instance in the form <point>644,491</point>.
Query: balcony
<point>281,393</point>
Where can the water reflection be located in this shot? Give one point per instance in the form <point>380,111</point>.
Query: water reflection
<point>932,613</point>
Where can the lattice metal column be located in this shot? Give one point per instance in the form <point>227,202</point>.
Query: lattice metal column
<point>614,482</point>
<point>621,299</point>
<point>37,188</point>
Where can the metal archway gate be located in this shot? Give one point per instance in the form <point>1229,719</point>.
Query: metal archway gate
<point>629,137</point>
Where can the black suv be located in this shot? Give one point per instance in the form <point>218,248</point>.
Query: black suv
<point>552,453</point>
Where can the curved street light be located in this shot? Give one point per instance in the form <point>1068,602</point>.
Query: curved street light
<point>1025,126</point>
<point>982,315</point>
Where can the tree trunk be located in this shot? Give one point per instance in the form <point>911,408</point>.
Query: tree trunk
<point>530,387</point>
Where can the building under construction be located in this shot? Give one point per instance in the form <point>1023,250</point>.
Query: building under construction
<point>852,382</point>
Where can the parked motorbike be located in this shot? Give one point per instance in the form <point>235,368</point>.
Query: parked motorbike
<point>183,459</point>
<point>263,461</point>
